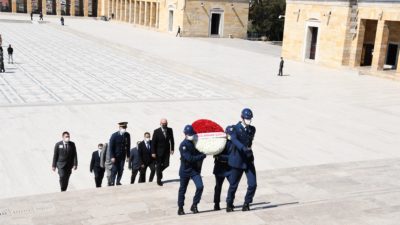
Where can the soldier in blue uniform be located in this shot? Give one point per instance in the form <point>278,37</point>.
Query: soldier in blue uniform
<point>222,168</point>
<point>191,161</point>
<point>120,145</point>
<point>241,160</point>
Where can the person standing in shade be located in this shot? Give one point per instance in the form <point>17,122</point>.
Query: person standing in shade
<point>65,159</point>
<point>96,167</point>
<point>41,16</point>
<point>222,168</point>
<point>62,21</point>
<point>162,147</point>
<point>120,145</point>
<point>190,169</point>
<point>178,33</point>
<point>280,73</point>
<point>134,162</point>
<point>146,161</point>
<point>31,16</point>
<point>10,52</point>
<point>2,70</point>
<point>241,160</point>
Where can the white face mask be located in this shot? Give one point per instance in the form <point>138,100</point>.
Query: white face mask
<point>228,137</point>
<point>122,130</point>
<point>147,139</point>
<point>190,138</point>
<point>247,122</point>
<point>66,139</point>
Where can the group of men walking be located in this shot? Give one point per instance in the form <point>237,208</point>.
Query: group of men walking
<point>110,158</point>
<point>235,160</point>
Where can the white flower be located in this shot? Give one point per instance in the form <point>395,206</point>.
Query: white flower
<point>210,143</point>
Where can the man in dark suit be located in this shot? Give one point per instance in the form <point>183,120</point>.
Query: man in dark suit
<point>146,161</point>
<point>120,145</point>
<point>162,146</point>
<point>96,167</point>
<point>64,159</point>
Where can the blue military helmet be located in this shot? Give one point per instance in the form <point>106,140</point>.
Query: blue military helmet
<point>247,114</point>
<point>188,130</point>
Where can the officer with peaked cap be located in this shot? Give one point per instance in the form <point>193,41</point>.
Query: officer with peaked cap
<point>241,160</point>
<point>190,168</point>
<point>120,145</point>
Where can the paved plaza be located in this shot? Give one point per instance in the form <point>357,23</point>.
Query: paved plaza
<point>88,75</point>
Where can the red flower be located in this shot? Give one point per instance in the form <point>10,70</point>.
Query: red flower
<point>206,126</point>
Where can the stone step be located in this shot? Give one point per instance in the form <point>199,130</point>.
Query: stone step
<point>347,193</point>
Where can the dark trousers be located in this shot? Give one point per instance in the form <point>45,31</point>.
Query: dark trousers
<point>143,170</point>
<point>234,179</point>
<point>98,176</point>
<point>280,71</point>
<point>133,176</point>
<point>161,164</point>
<point>117,171</point>
<point>64,178</point>
<point>219,181</point>
<point>184,181</point>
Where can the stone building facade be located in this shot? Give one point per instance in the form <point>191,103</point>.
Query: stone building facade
<point>198,18</point>
<point>363,34</point>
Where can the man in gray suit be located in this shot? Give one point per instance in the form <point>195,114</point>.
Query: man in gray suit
<point>64,159</point>
<point>106,162</point>
<point>134,162</point>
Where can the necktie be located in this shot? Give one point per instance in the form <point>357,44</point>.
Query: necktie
<point>165,133</point>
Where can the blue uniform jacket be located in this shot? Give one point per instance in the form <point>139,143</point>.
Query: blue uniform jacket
<point>221,167</point>
<point>120,145</point>
<point>191,159</point>
<point>242,139</point>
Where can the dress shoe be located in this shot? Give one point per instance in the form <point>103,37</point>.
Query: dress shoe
<point>216,207</point>
<point>159,183</point>
<point>194,209</point>
<point>246,207</point>
<point>230,208</point>
<point>181,211</point>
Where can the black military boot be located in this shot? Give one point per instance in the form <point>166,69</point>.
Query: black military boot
<point>181,211</point>
<point>216,207</point>
<point>246,207</point>
<point>229,208</point>
<point>194,209</point>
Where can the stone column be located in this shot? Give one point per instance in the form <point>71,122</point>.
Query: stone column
<point>126,11</point>
<point>140,13</point>
<point>44,10</point>
<point>28,6</point>
<point>14,6</point>
<point>72,8</point>
<point>146,11</point>
<point>380,47</point>
<point>130,12</point>
<point>85,8</point>
<point>58,7</point>
<point>158,15</point>
<point>151,14</point>
<point>355,57</point>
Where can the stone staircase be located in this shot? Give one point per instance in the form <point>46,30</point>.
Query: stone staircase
<point>348,193</point>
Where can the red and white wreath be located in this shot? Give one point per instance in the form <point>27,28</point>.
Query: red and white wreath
<point>210,137</point>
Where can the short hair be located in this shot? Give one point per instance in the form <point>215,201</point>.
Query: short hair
<point>64,133</point>
<point>100,145</point>
<point>146,133</point>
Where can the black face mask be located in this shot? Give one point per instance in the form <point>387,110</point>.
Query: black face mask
<point>164,126</point>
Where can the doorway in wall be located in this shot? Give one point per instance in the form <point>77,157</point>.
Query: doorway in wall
<point>171,20</point>
<point>215,24</point>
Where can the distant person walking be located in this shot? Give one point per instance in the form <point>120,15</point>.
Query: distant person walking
<point>41,16</point>
<point>10,51</point>
<point>31,16</point>
<point>2,70</point>
<point>134,162</point>
<point>62,21</point>
<point>95,166</point>
<point>64,159</point>
<point>280,73</point>
<point>112,15</point>
<point>1,41</point>
<point>178,32</point>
